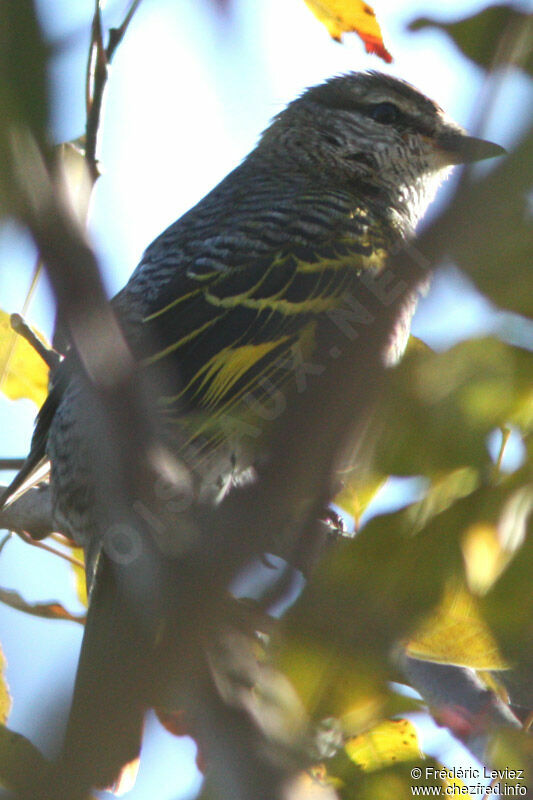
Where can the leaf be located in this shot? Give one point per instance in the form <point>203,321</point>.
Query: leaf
<point>80,581</point>
<point>444,490</point>
<point>453,787</point>
<point>511,749</point>
<point>387,743</point>
<point>23,373</point>
<point>5,697</point>
<point>351,16</point>
<point>415,344</point>
<point>21,764</point>
<point>23,91</point>
<point>462,631</point>
<point>46,610</point>
<point>456,633</point>
<point>23,78</point>
<point>489,232</point>
<point>329,685</point>
<point>358,492</point>
<point>508,608</point>
<point>373,591</point>
<point>478,36</point>
<point>440,407</point>
<point>485,557</point>
<point>75,177</point>
<point>399,780</point>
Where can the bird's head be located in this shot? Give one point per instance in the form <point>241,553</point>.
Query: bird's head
<point>378,133</point>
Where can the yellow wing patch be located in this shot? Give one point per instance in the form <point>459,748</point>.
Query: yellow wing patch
<point>226,368</point>
<point>297,283</point>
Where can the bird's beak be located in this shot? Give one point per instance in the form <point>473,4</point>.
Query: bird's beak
<point>457,148</point>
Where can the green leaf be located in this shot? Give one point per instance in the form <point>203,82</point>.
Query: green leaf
<point>23,91</point>
<point>508,607</point>
<point>510,749</point>
<point>444,490</point>
<point>23,78</point>
<point>395,781</point>
<point>488,230</point>
<point>21,764</point>
<point>479,36</point>
<point>372,592</point>
<point>440,407</point>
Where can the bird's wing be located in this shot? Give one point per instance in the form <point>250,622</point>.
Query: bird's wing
<point>225,331</point>
<point>227,334</point>
<point>36,458</point>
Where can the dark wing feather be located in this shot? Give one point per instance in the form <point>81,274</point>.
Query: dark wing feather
<point>219,332</point>
<point>37,455</point>
<point>222,330</point>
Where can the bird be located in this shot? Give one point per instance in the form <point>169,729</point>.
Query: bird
<point>243,282</point>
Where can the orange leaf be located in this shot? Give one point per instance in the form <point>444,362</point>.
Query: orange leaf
<point>351,16</point>
<point>51,610</point>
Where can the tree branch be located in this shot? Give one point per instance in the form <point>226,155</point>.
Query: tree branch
<point>98,62</point>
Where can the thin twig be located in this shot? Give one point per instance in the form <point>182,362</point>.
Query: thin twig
<point>52,610</point>
<point>528,722</point>
<point>42,546</point>
<point>117,34</point>
<point>98,62</point>
<point>50,356</point>
<point>63,540</point>
<point>95,85</point>
<point>506,432</point>
<point>11,463</point>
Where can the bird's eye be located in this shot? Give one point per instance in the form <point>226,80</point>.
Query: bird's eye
<point>385,113</point>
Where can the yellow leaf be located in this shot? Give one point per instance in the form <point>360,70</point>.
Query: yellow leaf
<point>388,743</point>
<point>80,582</point>
<point>358,492</point>
<point>5,697</point>
<point>351,16</point>
<point>75,177</point>
<point>23,373</point>
<point>456,633</point>
<point>485,558</point>
<point>454,787</point>
<point>415,344</point>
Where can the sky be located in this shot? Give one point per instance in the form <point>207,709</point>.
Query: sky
<point>189,92</point>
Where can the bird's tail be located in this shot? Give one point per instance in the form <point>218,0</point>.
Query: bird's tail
<point>104,730</point>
